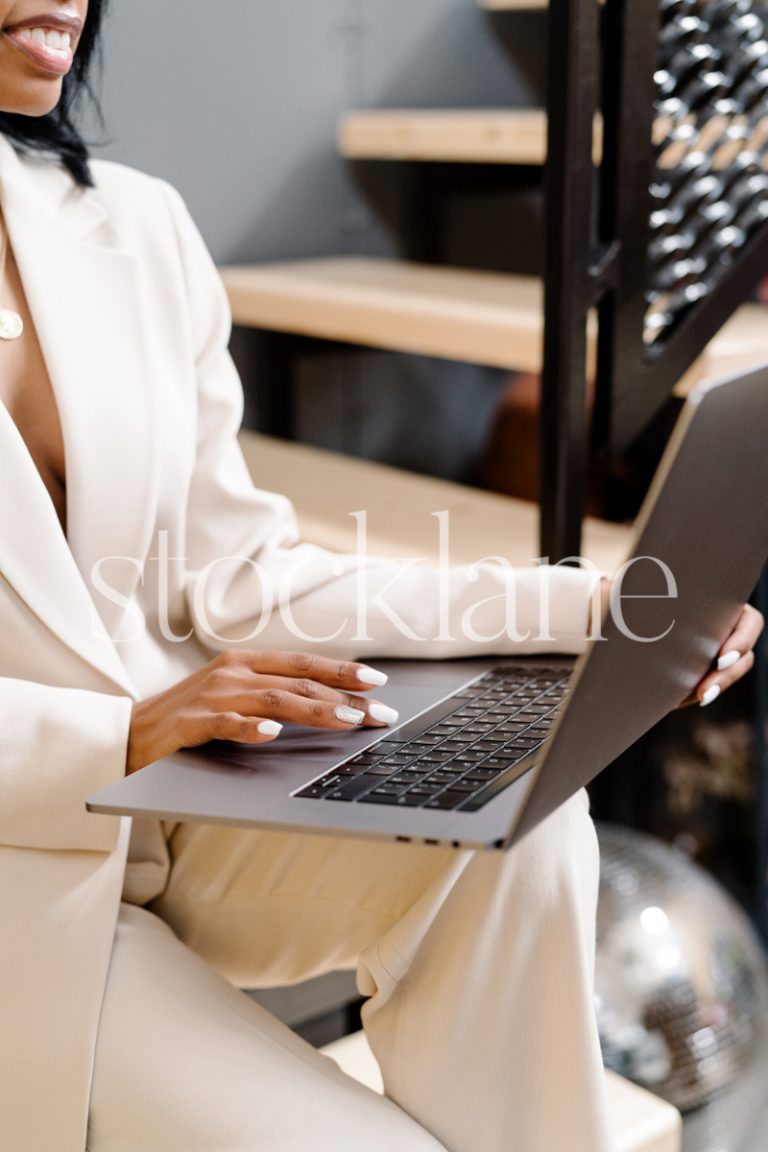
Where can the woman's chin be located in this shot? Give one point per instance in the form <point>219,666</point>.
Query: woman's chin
<point>31,99</point>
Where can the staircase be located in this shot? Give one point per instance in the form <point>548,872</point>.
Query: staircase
<point>479,317</point>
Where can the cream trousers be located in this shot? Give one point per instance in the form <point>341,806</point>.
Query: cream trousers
<point>478,968</point>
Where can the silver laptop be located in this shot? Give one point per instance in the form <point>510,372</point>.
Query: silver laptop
<point>486,749</point>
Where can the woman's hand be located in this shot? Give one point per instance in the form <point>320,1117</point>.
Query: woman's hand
<point>244,696</point>
<point>734,659</point>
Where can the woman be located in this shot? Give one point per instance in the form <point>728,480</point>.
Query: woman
<point>123,491</point>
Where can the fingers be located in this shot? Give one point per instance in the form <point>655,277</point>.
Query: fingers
<point>742,639</point>
<point>257,717</point>
<point>345,675</point>
<point>713,685</point>
<point>232,725</point>
<point>249,695</point>
<point>734,660</point>
<point>309,703</point>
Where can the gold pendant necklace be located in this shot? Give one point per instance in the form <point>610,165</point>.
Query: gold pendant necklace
<point>11,324</point>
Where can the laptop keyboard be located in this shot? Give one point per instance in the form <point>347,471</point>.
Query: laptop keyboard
<point>460,754</point>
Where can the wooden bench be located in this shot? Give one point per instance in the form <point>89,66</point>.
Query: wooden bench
<point>641,1121</point>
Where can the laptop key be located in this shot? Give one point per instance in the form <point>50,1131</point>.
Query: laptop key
<point>414,728</point>
<point>311,792</point>
<point>446,777</point>
<point>523,744</point>
<point>445,800</point>
<point>502,781</point>
<point>354,787</point>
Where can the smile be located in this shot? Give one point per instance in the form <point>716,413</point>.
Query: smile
<point>60,42</point>
<point>48,41</point>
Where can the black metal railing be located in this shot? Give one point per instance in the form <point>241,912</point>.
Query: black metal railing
<point>665,234</point>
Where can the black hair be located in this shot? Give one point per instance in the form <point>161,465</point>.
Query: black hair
<point>56,133</point>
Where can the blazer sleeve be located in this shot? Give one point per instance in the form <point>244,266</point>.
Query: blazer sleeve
<point>57,745</point>
<point>251,581</point>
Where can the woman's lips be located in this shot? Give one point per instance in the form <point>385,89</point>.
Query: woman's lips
<point>51,48</point>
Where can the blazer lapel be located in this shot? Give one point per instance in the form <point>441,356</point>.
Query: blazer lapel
<point>86,304</point>
<point>36,560</point>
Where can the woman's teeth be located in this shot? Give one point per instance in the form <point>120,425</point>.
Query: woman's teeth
<point>58,41</point>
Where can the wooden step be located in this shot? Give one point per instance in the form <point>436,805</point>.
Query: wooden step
<point>453,314</point>
<point>518,136</point>
<point>477,317</point>
<point>468,136</point>
<point>512,5</point>
<point>741,344</point>
<point>326,488</point>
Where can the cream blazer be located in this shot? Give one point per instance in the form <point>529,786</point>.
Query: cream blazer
<point>134,326</point>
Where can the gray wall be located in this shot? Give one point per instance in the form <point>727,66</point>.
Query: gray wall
<point>237,106</point>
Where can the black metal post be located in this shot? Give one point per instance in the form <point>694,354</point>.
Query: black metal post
<point>572,100</point>
<point>423,211</point>
<point>630,43</point>
<point>274,393</point>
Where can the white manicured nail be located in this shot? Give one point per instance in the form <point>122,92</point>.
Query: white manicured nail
<point>383,714</point>
<point>710,695</point>
<point>728,660</point>
<point>371,676</point>
<point>349,715</point>
<point>270,728</point>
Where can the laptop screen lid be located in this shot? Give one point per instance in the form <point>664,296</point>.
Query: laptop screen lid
<point>702,535</point>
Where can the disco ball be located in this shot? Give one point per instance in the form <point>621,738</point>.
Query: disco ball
<point>681,978</point>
